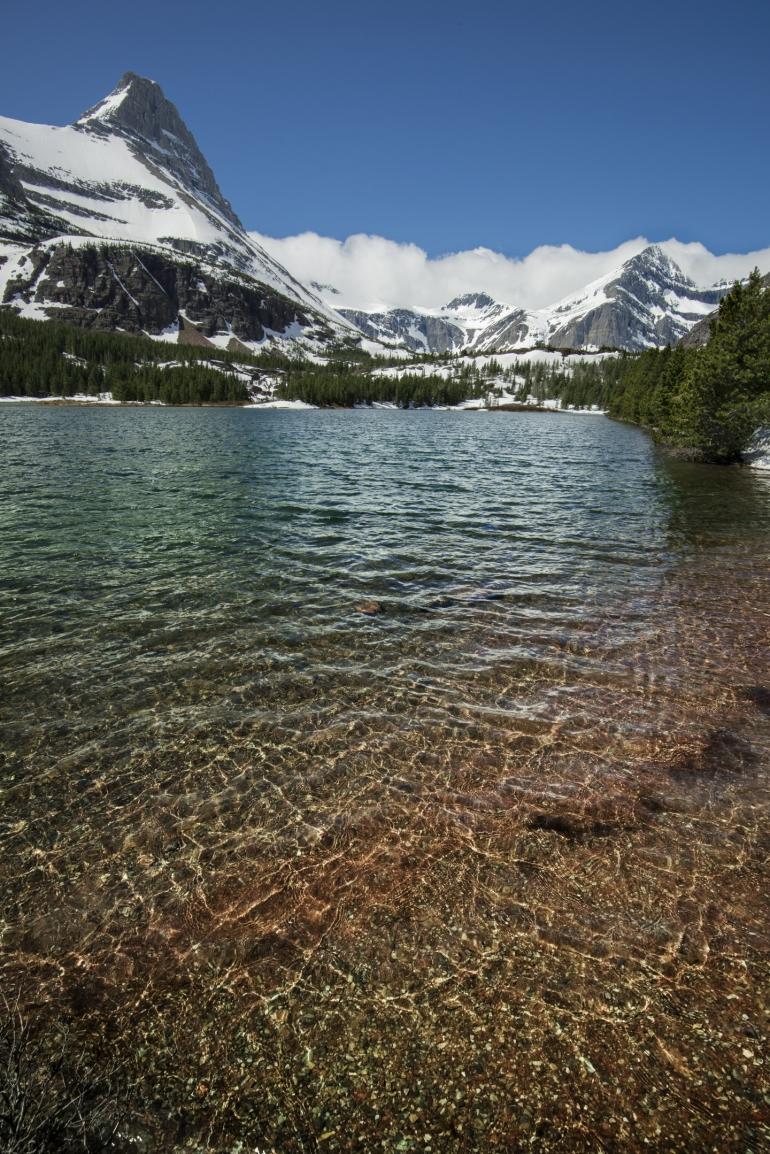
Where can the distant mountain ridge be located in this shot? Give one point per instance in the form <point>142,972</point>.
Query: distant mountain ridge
<point>646,302</point>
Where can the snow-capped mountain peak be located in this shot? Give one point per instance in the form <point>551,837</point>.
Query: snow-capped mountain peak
<point>645,303</point>
<point>118,221</point>
<point>470,301</point>
<point>129,173</point>
<point>139,112</point>
<point>106,108</point>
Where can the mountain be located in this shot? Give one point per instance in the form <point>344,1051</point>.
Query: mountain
<point>460,324</point>
<point>117,221</point>
<point>421,332</point>
<point>646,302</point>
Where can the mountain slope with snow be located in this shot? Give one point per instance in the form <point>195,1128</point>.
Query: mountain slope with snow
<point>646,302</point>
<point>128,176</point>
<point>460,324</point>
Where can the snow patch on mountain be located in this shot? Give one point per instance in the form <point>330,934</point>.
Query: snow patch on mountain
<point>104,108</point>
<point>97,185</point>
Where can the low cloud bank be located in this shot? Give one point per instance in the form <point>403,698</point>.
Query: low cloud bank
<point>371,272</point>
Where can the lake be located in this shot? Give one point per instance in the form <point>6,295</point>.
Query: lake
<point>388,780</point>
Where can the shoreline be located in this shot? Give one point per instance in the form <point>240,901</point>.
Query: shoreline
<point>299,406</point>
<point>758,459</point>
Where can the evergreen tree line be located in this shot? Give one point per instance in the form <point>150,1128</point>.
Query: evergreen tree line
<point>47,358</point>
<point>584,383</point>
<point>191,384</point>
<point>346,385</point>
<point>707,401</point>
<point>51,359</point>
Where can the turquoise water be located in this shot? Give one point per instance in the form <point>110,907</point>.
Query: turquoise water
<point>166,573</point>
<point>155,561</point>
<point>263,671</point>
<point>212,560</point>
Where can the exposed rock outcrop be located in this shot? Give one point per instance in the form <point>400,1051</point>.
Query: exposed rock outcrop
<point>420,332</point>
<point>510,331</point>
<point>11,187</point>
<point>699,333</point>
<point>137,290</point>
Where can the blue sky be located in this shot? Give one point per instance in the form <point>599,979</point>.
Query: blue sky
<point>451,125</point>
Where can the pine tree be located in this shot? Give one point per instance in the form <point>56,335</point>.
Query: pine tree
<point>726,390</point>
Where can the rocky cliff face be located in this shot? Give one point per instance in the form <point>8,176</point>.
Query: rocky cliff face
<point>465,322</point>
<point>14,208</point>
<point>699,334</point>
<point>419,332</point>
<point>11,189</point>
<point>514,329</point>
<point>109,287</point>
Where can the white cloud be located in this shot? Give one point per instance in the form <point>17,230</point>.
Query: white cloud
<point>706,268</point>
<point>371,272</point>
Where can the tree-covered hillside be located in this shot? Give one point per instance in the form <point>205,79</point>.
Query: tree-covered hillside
<point>44,359</point>
<point>706,401</point>
<point>49,359</point>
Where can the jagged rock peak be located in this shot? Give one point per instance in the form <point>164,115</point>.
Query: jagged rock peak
<point>138,109</point>
<point>471,300</point>
<point>138,103</point>
<point>654,259</point>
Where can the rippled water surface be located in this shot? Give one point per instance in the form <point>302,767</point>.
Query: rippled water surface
<point>378,777</point>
